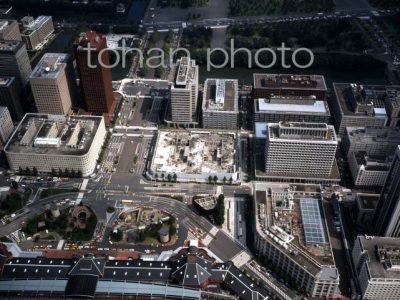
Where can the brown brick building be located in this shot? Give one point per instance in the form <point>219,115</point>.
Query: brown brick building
<point>96,82</point>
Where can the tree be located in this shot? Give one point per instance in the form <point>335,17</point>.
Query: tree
<point>14,184</point>
<point>67,173</point>
<point>156,176</point>
<point>169,177</point>
<point>215,178</point>
<point>27,171</point>
<point>224,179</point>
<point>60,172</point>
<point>172,230</point>
<point>73,173</point>
<point>162,176</point>
<point>34,171</point>
<point>220,216</point>
<point>210,179</point>
<point>175,177</point>
<point>20,171</point>
<point>79,174</point>
<point>230,180</point>
<point>53,172</point>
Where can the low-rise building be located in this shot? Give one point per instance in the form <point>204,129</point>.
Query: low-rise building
<point>195,156</point>
<point>53,142</point>
<point>267,85</point>
<point>374,141</point>
<point>377,261</point>
<point>190,272</point>
<point>36,31</point>
<point>291,109</point>
<point>369,171</point>
<point>220,104</point>
<point>291,233</point>
<point>358,105</point>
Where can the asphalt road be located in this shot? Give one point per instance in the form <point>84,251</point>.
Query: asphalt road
<point>223,22</point>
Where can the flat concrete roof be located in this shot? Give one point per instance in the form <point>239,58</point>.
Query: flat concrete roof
<point>289,81</point>
<point>227,101</point>
<point>377,268</point>
<point>361,100</point>
<point>44,134</point>
<point>50,65</point>
<point>292,106</point>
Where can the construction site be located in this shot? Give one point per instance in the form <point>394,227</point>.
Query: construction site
<point>195,156</point>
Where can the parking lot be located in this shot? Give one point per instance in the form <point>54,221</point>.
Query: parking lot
<point>144,103</point>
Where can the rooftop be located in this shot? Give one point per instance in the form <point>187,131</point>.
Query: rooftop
<point>50,65</point>
<point>194,152</point>
<point>54,134</point>
<point>96,40</point>
<point>5,80</point>
<point>289,81</point>
<point>373,163</point>
<point>383,256</point>
<point>10,46</point>
<point>359,100</point>
<point>297,225</point>
<point>187,72</point>
<point>292,105</point>
<point>189,266</point>
<point>367,201</point>
<point>302,131</point>
<point>31,24</point>
<point>5,23</point>
<point>220,95</point>
<point>374,134</point>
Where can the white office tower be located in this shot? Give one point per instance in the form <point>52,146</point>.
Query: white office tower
<point>184,93</point>
<point>301,150</point>
<point>49,83</point>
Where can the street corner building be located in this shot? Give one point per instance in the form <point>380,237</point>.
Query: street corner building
<point>291,232</point>
<point>48,142</point>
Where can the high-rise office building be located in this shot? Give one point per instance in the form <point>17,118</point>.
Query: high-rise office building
<point>374,141</point>
<point>9,30</point>
<point>14,61</point>
<point>36,31</point>
<point>95,79</point>
<point>296,149</point>
<point>184,93</point>
<point>10,96</point>
<point>6,125</point>
<point>376,262</point>
<point>49,81</point>
<point>220,104</point>
<point>358,105</point>
<point>387,214</point>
